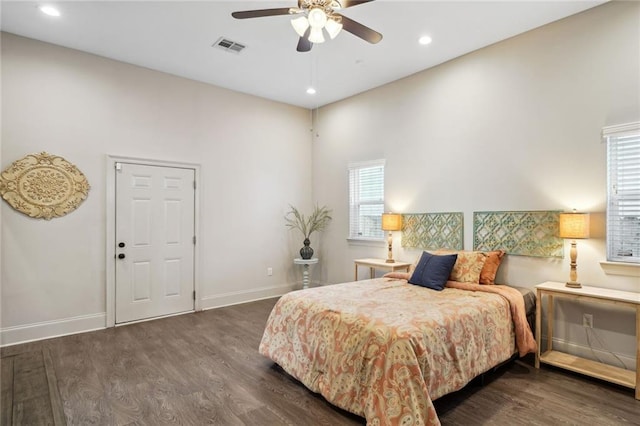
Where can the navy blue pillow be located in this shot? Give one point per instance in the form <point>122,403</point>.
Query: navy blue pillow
<point>433,271</point>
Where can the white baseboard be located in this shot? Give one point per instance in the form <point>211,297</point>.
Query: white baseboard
<point>603,356</point>
<point>48,329</point>
<point>237,297</point>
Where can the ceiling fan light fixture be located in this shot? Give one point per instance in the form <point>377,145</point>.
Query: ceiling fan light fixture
<point>333,28</point>
<point>313,17</point>
<point>317,18</point>
<point>300,25</point>
<point>316,36</point>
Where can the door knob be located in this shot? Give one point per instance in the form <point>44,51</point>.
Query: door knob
<point>121,245</point>
<point>121,256</point>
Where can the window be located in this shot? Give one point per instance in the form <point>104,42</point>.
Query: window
<point>366,200</point>
<point>623,192</point>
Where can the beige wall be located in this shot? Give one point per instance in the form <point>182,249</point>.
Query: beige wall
<point>514,126</point>
<point>255,158</point>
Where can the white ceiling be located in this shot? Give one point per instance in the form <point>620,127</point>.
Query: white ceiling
<point>176,37</point>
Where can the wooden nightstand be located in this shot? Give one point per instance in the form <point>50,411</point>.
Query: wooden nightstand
<point>374,264</point>
<point>620,376</point>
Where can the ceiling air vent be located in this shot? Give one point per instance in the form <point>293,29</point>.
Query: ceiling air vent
<point>229,45</point>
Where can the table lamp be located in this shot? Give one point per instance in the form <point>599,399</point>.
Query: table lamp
<point>574,226</point>
<point>391,222</point>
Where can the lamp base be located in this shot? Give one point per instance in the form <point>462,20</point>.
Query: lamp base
<point>573,284</point>
<point>390,261</point>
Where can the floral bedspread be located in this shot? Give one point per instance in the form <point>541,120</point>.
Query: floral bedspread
<point>384,349</point>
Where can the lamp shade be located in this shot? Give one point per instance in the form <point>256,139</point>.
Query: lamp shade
<point>317,18</point>
<point>574,225</point>
<point>315,36</point>
<point>333,28</point>
<point>300,25</point>
<point>391,222</point>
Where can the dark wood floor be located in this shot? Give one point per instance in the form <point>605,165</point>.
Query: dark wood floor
<point>204,368</point>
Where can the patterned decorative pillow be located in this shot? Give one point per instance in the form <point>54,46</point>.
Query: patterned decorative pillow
<point>468,266</point>
<point>490,268</point>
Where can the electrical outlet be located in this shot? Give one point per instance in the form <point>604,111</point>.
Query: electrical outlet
<point>269,271</point>
<point>587,320</point>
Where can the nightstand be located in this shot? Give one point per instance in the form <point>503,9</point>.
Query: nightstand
<point>551,290</point>
<point>374,264</point>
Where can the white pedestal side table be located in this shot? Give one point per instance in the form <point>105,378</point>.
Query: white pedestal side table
<point>305,271</point>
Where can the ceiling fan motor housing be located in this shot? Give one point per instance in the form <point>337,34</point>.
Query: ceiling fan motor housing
<point>327,6</point>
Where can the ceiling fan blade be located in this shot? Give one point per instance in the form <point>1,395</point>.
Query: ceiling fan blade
<point>263,12</point>
<point>304,45</point>
<point>359,30</point>
<point>350,3</point>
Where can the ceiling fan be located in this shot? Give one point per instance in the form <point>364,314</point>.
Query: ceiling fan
<point>314,16</point>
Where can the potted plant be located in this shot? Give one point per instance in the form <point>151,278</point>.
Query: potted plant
<point>317,221</point>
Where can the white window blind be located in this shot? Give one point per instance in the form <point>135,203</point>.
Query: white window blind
<point>366,200</point>
<point>623,193</point>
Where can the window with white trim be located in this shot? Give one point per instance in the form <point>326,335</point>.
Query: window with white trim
<point>366,200</point>
<point>623,192</point>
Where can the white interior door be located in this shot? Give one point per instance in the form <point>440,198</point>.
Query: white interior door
<point>155,238</point>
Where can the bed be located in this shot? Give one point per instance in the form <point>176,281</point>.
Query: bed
<point>384,349</point>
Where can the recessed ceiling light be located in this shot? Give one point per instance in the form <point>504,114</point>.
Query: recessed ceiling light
<point>311,91</point>
<point>424,40</point>
<point>49,10</point>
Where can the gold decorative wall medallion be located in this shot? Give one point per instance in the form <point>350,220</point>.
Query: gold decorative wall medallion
<point>43,186</point>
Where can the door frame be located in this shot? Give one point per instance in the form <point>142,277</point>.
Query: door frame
<point>110,261</point>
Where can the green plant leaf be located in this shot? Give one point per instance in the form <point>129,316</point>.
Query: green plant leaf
<point>316,222</point>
